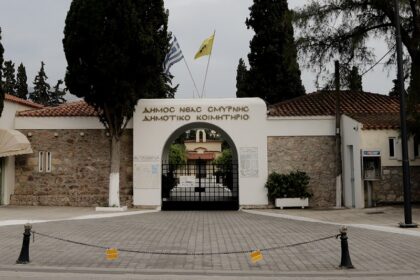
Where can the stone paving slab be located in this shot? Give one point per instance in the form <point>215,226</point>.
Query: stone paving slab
<point>215,232</point>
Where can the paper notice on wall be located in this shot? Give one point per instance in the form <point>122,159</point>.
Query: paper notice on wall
<point>146,175</point>
<point>248,157</point>
<point>146,158</point>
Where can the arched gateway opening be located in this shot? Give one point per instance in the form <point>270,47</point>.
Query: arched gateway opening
<point>200,169</point>
<point>200,181</point>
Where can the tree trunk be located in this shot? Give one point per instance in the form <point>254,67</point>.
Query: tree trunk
<point>114,176</point>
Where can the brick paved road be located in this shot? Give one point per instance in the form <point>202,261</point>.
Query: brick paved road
<point>210,232</point>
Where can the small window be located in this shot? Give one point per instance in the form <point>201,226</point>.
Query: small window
<point>392,142</point>
<point>44,161</point>
<point>41,161</point>
<point>48,162</point>
<point>417,146</point>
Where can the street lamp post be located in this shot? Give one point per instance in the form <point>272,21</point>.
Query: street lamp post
<point>408,223</point>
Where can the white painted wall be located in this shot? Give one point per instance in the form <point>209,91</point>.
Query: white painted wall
<point>150,138</point>
<point>378,139</point>
<point>60,123</point>
<point>7,120</point>
<point>351,134</point>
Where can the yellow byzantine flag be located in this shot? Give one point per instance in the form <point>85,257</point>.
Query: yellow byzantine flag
<point>205,48</point>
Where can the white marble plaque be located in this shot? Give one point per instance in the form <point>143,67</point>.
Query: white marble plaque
<point>248,157</point>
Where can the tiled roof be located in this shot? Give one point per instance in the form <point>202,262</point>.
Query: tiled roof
<point>322,103</point>
<point>70,109</point>
<point>378,121</point>
<point>374,111</point>
<point>21,101</point>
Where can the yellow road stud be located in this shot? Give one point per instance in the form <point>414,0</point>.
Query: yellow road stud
<point>111,254</point>
<point>256,256</point>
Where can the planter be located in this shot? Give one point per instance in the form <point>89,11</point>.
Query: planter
<point>292,202</point>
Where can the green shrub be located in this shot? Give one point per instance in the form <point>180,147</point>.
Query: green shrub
<point>177,154</point>
<point>294,184</point>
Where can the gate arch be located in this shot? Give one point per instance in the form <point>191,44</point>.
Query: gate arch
<point>157,122</point>
<point>200,185</point>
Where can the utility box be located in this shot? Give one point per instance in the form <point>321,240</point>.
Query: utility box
<point>371,165</point>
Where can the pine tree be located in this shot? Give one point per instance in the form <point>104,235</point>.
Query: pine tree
<point>274,73</point>
<point>41,91</point>
<point>355,21</point>
<point>115,50</point>
<point>1,75</point>
<point>241,74</point>
<point>21,82</point>
<point>57,95</point>
<point>9,83</point>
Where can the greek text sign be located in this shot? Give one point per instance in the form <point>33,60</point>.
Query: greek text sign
<point>195,113</point>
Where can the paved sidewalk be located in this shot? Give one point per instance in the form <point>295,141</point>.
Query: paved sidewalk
<point>385,216</point>
<point>385,219</point>
<point>217,233</point>
<point>19,215</point>
<point>375,254</point>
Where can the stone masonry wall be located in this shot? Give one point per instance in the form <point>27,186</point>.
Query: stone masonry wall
<point>80,169</point>
<point>390,187</point>
<point>311,154</point>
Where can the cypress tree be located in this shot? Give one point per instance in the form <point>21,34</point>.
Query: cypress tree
<point>115,50</point>
<point>41,91</point>
<point>241,74</point>
<point>1,76</point>
<point>274,73</point>
<point>9,84</point>
<point>21,82</point>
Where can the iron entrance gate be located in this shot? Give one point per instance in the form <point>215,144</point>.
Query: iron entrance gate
<point>200,186</point>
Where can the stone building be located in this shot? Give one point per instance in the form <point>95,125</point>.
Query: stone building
<point>369,124</point>
<point>70,160</point>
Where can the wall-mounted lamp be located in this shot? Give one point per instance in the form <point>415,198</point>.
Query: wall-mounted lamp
<point>55,134</point>
<point>82,134</point>
<point>29,134</point>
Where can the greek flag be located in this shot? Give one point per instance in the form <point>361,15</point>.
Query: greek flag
<point>174,55</point>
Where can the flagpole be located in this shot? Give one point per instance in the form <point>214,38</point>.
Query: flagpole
<point>192,78</point>
<point>207,68</point>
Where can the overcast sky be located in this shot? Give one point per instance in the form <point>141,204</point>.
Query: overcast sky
<point>32,32</point>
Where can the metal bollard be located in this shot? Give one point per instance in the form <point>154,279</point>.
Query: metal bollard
<point>24,253</point>
<point>345,254</point>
